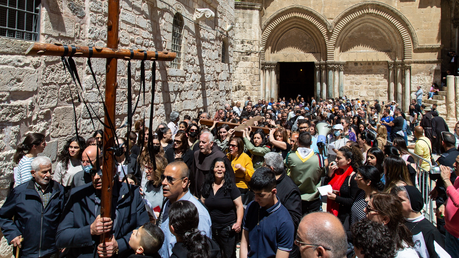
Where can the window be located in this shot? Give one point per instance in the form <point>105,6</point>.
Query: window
<point>19,19</point>
<point>177,28</point>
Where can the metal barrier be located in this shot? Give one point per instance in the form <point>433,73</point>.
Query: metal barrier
<point>424,184</point>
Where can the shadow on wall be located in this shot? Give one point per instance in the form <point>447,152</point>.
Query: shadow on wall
<point>163,86</point>
<point>201,66</point>
<point>55,14</point>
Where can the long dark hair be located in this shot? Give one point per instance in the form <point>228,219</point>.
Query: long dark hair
<point>181,135</point>
<point>210,179</point>
<point>390,205</point>
<point>184,218</point>
<point>64,155</point>
<point>372,173</point>
<point>369,138</point>
<point>263,137</point>
<point>32,139</point>
<point>379,154</point>
<point>396,170</point>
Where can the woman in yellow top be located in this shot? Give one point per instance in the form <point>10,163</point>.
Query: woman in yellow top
<point>242,166</point>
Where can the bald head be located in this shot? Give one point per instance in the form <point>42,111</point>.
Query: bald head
<point>90,155</point>
<point>418,131</point>
<point>326,231</point>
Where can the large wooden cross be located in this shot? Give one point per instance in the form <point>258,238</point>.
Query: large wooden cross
<point>112,54</point>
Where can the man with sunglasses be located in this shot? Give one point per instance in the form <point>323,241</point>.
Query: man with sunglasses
<point>175,181</point>
<point>81,226</point>
<point>321,234</point>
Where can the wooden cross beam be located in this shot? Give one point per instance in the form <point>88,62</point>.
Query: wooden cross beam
<point>112,54</point>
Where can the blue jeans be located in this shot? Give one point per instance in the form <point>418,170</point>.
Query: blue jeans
<point>431,95</point>
<point>419,101</point>
<point>452,245</point>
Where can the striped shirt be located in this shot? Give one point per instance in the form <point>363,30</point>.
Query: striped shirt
<point>24,168</point>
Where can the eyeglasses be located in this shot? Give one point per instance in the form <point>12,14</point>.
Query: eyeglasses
<point>177,141</point>
<point>301,243</point>
<point>169,179</point>
<point>192,130</point>
<point>232,146</point>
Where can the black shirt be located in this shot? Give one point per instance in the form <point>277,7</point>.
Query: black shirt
<point>221,206</point>
<point>398,124</point>
<point>281,151</point>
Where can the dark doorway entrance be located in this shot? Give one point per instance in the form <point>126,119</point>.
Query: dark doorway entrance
<point>296,78</point>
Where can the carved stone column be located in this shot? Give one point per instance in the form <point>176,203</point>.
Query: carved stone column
<point>336,80</point>
<point>330,81</point>
<point>267,83</point>
<point>324,82</point>
<point>398,75</point>
<point>407,91</point>
<point>390,80</point>
<point>317,81</point>
<point>262,82</point>
<point>274,87</point>
<point>450,100</point>
<point>341,80</point>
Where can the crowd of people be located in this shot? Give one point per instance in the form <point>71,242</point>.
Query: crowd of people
<point>315,178</point>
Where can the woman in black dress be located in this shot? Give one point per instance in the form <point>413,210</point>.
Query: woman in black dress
<point>223,201</point>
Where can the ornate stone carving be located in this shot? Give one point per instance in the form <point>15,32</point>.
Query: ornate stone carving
<point>203,13</point>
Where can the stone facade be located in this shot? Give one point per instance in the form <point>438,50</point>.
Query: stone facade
<point>367,49</point>
<point>34,91</point>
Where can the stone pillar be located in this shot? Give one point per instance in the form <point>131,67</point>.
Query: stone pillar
<point>330,81</point>
<point>391,80</point>
<point>324,82</point>
<point>267,83</point>
<point>398,75</point>
<point>450,100</point>
<point>336,81</point>
<point>274,92</point>
<point>341,80</point>
<point>407,91</point>
<point>317,81</point>
<point>262,82</point>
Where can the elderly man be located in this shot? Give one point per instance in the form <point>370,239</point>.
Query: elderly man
<point>81,226</point>
<point>202,161</point>
<point>88,161</point>
<point>36,207</point>
<point>173,124</point>
<point>175,181</point>
<point>321,234</point>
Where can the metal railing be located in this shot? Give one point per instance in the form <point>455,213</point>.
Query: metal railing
<point>424,184</point>
<point>20,19</point>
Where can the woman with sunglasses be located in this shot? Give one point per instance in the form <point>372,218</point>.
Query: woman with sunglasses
<point>256,146</point>
<point>368,180</point>
<point>180,150</point>
<point>223,201</point>
<point>69,161</point>
<point>341,177</point>
<point>349,132</point>
<point>242,166</point>
<point>387,209</point>
<point>32,145</point>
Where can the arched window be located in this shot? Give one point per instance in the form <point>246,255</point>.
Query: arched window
<point>177,28</point>
<point>20,19</point>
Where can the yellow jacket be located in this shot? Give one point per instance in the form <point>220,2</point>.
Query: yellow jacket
<point>242,178</point>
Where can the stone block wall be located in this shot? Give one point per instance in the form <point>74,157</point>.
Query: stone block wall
<point>34,91</point>
<point>246,57</point>
<point>366,80</point>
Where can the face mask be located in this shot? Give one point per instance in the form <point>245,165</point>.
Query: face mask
<point>156,149</point>
<point>87,169</point>
<point>383,179</point>
<point>337,133</point>
<point>193,134</point>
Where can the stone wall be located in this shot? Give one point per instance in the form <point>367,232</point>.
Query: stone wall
<point>34,91</point>
<point>366,80</point>
<point>246,77</point>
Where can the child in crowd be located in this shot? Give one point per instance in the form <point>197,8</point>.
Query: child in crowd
<point>146,241</point>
